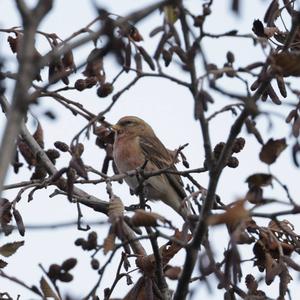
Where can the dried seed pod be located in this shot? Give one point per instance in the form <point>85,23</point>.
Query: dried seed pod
<point>281,86</point>
<point>272,13</point>
<point>273,95</point>
<point>92,240</point>
<point>80,85</point>
<point>198,21</point>
<point>230,57</point>
<point>90,82</point>
<point>254,66</point>
<point>138,62</point>
<point>65,277</point>
<point>39,172</point>
<point>147,58</point>
<point>19,221</point>
<point>218,149</point>
<point>127,63</point>
<point>77,149</point>
<point>233,162</point>
<point>156,31</point>
<point>61,146</point>
<point>53,154</point>
<point>95,264</point>
<point>264,96</point>
<point>161,45</point>
<point>54,271</point>
<point>167,57</point>
<point>292,115</point>
<point>239,144</point>
<point>104,90</point>
<point>181,54</point>
<point>255,85</point>
<point>230,72</point>
<point>69,264</point>
<point>79,241</point>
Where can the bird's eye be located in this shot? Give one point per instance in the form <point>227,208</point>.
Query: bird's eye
<point>126,123</point>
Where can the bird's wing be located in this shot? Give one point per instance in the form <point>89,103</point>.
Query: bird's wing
<point>155,151</point>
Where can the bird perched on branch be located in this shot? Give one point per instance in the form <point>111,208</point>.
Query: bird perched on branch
<point>135,145</point>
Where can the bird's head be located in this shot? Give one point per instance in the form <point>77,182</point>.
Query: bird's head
<point>132,126</point>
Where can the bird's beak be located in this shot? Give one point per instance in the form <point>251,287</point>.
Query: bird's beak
<point>116,128</point>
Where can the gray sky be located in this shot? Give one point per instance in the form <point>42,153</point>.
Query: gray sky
<point>166,106</point>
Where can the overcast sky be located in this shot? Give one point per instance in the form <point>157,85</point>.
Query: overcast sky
<point>163,104</point>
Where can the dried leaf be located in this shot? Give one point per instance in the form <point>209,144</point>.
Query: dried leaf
<point>291,263</point>
<point>146,264</point>
<point>26,153</point>
<point>3,264</point>
<point>171,13</point>
<point>234,214</point>
<point>251,284</point>
<point>273,268</point>
<point>250,125</point>
<point>258,28</point>
<point>285,279</point>
<point>13,43</point>
<point>271,150</point>
<point>94,67</point>
<point>10,248</point>
<point>115,209</point>
<point>68,60</point>
<point>109,243</point>
<point>287,63</point>
<point>259,180</point>
<point>255,195</point>
<point>172,273</point>
<point>144,218</point>
<point>169,250</point>
<point>135,34</point>
<point>47,290</point>
<point>39,135</point>
<point>77,164</point>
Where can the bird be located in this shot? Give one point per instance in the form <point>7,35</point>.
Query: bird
<point>136,145</point>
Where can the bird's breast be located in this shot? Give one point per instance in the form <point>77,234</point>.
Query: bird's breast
<point>127,154</point>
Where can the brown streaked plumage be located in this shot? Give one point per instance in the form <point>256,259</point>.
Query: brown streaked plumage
<point>135,142</point>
